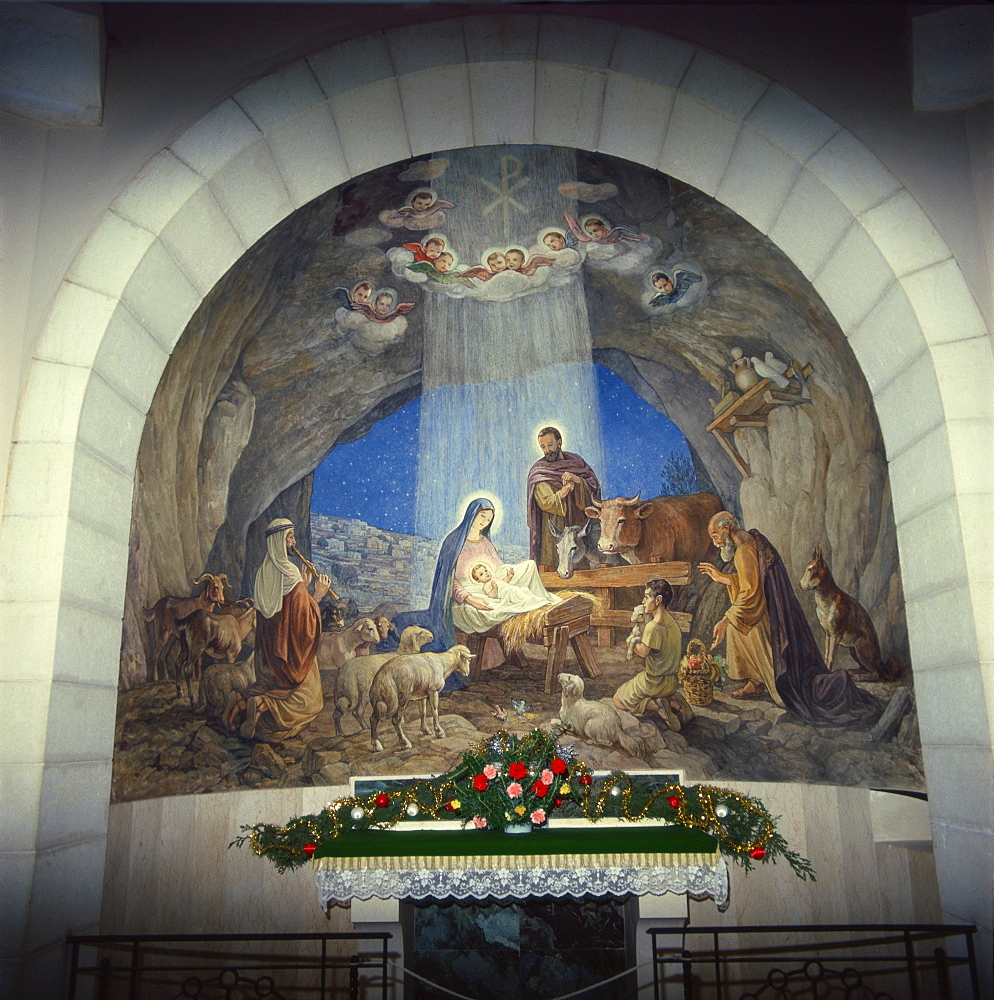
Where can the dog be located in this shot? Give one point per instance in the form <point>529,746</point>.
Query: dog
<point>845,622</point>
<point>593,720</point>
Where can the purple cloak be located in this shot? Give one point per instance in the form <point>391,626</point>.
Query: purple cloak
<point>544,471</point>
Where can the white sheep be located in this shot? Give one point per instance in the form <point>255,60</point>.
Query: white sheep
<point>413,677</point>
<point>222,681</point>
<point>353,680</point>
<point>337,647</point>
<point>593,720</point>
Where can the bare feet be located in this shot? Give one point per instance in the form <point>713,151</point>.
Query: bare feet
<point>668,716</point>
<point>251,717</point>
<point>617,704</point>
<point>748,690</point>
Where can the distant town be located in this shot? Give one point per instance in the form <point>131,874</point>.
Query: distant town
<point>377,567</point>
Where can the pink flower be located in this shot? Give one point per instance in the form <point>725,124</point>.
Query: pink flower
<point>481,821</point>
<point>514,790</point>
<point>547,777</point>
<point>538,816</point>
<point>490,772</point>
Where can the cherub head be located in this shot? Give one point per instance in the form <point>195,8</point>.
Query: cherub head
<point>515,259</point>
<point>662,281</point>
<point>433,247</point>
<point>384,302</point>
<point>554,240</point>
<point>444,262</point>
<point>481,572</point>
<point>421,201</point>
<point>596,229</point>
<point>362,291</point>
<point>496,262</point>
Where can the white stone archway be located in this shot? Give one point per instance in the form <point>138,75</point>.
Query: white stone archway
<point>793,173</point>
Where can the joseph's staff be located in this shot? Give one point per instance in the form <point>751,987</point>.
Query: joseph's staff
<point>313,569</point>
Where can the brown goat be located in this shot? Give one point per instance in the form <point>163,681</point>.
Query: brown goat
<point>166,611</point>
<point>219,636</point>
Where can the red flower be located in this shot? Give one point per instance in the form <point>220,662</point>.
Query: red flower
<point>558,766</point>
<point>758,853</point>
<point>585,780</point>
<point>449,807</point>
<point>310,848</point>
<point>382,800</point>
<point>480,782</point>
<point>674,801</point>
<point>540,789</point>
<point>558,803</point>
<point>517,771</point>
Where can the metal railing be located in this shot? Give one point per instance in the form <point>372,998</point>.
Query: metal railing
<point>854,961</point>
<point>229,966</point>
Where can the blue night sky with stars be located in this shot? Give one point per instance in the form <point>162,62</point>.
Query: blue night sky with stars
<point>637,441</point>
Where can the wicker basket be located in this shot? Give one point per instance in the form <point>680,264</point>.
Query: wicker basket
<point>699,673</point>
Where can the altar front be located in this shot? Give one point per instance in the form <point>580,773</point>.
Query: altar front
<point>659,867</point>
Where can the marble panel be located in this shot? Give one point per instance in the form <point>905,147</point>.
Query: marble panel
<point>87,644</point>
<point>251,192</point>
<point>576,40</point>
<point>791,122</point>
<point>23,738</point>
<point>653,57</point>
<point>933,647</point>
<point>202,242</point>
<point>159,191</point>
<point>101,494</point>
<point>27,660</point>
<point>982,602</point>
<point>854,278</point>
<point>280,96</point>
<point>437,108</point>
<point>758,180</point>
<point>215,138</point>
<point>903,233</point>
<point>110,255</point>
<point>161,297</point>
<point>309,156</point>
<point>972,448</point>
<point>569,102</point>
<point>39,478</point>
<point>352,65</point>
<point>20,783</point>
<point>74,799</point>
<point>131,359</point>
<point>808,246</point>
<point>911,492</point>
<point>636,112</point>
<point>965,373</point>
<point>503,99</point>
<point>500,38</point>
<point>974,517</point>
<point>75,325</point>
<point>420,47</point>
<point>957,721</point>
<point>698,143</point>
<point>949,801</point>
<point>30,541</point>
<point>16,869</point>
<point>95,567</point>
<point>931,546</point>
<point>81,724</point>
<point>366,148</point>
<point>110,424</point>
<point>888,340</point>
<point>726,86</point>
<point>856,177</point>
<point>946,310</point>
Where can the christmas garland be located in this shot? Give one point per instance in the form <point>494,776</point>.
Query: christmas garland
<point>510,779</point>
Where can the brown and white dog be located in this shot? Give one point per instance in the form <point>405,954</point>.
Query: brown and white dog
<point>845,622</point>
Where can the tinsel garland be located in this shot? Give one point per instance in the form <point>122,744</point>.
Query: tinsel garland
<point>743,827</point>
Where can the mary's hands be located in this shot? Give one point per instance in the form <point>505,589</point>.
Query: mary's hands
<point>479,603</point>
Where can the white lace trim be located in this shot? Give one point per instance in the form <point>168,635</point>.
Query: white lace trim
<point>698,881</point>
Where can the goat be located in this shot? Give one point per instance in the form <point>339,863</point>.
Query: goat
<point>413,677</point>
<point>337,647</point>
<point>166,611</point>
<point>353,680</point>
<point>219,636</point>
<point>593,720</point>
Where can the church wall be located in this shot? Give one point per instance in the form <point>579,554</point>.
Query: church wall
<point>62,666</point>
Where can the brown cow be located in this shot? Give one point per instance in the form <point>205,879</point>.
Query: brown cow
<point>664,529</point>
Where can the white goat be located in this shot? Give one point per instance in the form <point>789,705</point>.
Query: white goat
<point>593,720</point>
<point>413,677</point>
<point>337,647</point>
<point>353,680</point>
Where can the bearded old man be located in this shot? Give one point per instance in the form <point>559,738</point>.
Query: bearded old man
<point>560,485</point>
<point>768,639</point>
<point>288,632</point>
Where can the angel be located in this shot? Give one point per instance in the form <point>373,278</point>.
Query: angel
<point>423,210</point>
<point>516,261</point>
<point>356,296</point>
<point>670,289</point>
<point>598,232</point>
<point>441,269</point>
<point>383,309</point>
<point>495,263</point>
<point>429,250</point>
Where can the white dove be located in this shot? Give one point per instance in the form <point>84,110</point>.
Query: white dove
<point>772,368</point>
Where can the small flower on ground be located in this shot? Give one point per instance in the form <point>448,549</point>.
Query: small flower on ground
<point>520,810</point>
<point>490,772</point>
<point>479,822</point>
<point>558,765</point>
<point>547,776</point>
<point>538,816</point>
<point>514,790</point>
<point>564,789</point>
<point>455,803</point>
<point>517,770</point>
<point>558,803</point>
<point>480,783</point>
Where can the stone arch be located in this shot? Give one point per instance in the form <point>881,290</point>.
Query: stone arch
<point>862,240</point>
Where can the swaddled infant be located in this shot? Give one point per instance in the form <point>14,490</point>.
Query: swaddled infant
<point>501,594</point>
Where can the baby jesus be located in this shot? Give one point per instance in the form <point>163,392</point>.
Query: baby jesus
<point>502,594</point>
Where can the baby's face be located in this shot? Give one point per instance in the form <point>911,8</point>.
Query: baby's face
<point>596,229</point>
<point>361,294</point>
<point>420,202</point>
<point>663,283</point>
<point>443,262</point>
<point>515,259</point>
<point>433,250</point>
<point>554,241</point>
<point>496,262</point>
<point>482,575</point>
<point>384,303</point>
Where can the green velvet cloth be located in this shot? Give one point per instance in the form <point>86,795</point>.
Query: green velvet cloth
<point>636,838</point>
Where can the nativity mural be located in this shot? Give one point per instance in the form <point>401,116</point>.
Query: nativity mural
<point>500,437</point>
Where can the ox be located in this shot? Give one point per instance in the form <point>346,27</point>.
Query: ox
<point>664,529</point>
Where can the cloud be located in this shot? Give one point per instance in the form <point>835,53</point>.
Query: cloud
<point>587,192</point>
<point>366,237</point>
<point>424,170</point>
<point>423,223</point>
<point>370,337</point>
<point>623,258</point>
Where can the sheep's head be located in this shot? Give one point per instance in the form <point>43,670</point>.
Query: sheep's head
<point>368,632</point>
<point>383,626</point>
<point>571,684</point>
<point>465,658</point>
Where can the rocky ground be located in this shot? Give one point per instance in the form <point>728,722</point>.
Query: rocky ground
<point>164,748</point>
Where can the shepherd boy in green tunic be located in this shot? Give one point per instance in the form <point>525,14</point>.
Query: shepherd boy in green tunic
<point>661,646</point>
